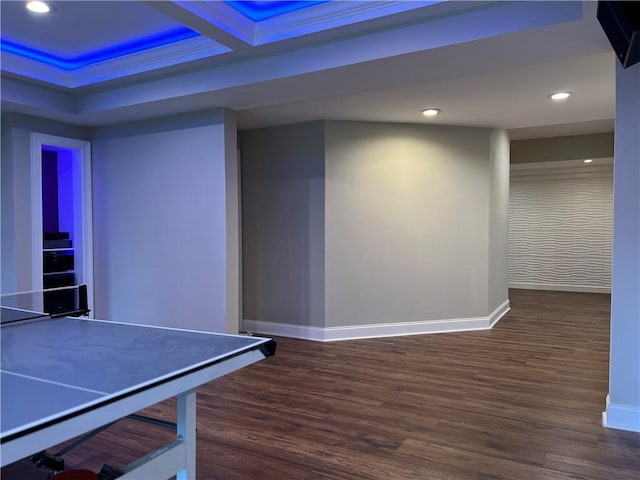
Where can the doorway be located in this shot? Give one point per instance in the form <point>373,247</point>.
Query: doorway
<point>62,226</point>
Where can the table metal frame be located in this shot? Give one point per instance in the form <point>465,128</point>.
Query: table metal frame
<point>176,458</point>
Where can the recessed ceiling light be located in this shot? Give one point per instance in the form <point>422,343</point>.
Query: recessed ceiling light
<point>588,160</point>
<point>430,112</point>
<point>560,95</point>
<point>38,7</point>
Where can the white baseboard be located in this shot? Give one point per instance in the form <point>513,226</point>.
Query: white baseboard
<point>353,332</point>
<point>621,417</point>
<point>495,316</point>
<point>560,287</point>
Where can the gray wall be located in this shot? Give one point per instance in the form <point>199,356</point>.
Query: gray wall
<point>283,224</point>
<point>571,147</point>
<point>15,194</point>
<point>498,219</point>
<point>407,222</point>
<point>160,222</point>
<point>352,223</point>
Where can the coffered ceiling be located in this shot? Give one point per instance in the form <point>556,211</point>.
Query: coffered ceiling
<point>483,63</point>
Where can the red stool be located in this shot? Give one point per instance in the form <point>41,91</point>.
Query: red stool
<point>76,475</point>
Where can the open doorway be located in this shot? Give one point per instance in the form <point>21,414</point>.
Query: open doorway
<point>61,213</point>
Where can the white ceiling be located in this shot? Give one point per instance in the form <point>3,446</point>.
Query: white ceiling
<point>486,64</point>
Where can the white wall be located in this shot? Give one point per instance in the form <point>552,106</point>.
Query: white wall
<point>623,401</point>
<point>407,223</point>
<point>17,264</point>
<point>161,220</point>
<point>560,224</point>
<point>8,184</point>
<point>15,193</point>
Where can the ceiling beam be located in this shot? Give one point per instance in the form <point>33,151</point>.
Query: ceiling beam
<point>214,20</point>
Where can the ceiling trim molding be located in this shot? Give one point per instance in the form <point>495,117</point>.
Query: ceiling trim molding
<point>37,96</point>
<point>331,15</point>
<point>148,60</point>
<point>142,44</point>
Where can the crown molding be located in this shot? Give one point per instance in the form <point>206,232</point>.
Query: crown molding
<point>328,16</point>
<point>148,60</point>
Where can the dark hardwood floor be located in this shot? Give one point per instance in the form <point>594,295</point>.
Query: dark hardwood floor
<point>521,401</point>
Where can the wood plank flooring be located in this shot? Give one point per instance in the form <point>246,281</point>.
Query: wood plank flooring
<point>521,401</point>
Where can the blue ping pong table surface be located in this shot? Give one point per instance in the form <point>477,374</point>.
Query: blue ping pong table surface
<point>52,368</point>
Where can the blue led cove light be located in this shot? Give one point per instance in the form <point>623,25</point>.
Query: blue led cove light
<point>258,10</point>
<point>109,53</point>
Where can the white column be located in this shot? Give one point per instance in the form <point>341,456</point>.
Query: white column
<point>623,401</point>
<point>232,197</point>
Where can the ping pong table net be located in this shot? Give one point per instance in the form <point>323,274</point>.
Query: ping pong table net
<point>53,302</point>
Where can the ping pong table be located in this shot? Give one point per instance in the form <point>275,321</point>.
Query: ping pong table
<point>64,376</point>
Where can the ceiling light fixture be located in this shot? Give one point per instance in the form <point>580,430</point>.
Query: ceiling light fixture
<point>37,6</point>
<point>431,112</point>
<point>560,96</point>
<point>588,160</point>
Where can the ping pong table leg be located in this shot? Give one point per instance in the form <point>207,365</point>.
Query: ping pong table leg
<point>187,432</point>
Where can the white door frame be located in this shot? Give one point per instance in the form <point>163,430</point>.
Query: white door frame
<point>82,151</point>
